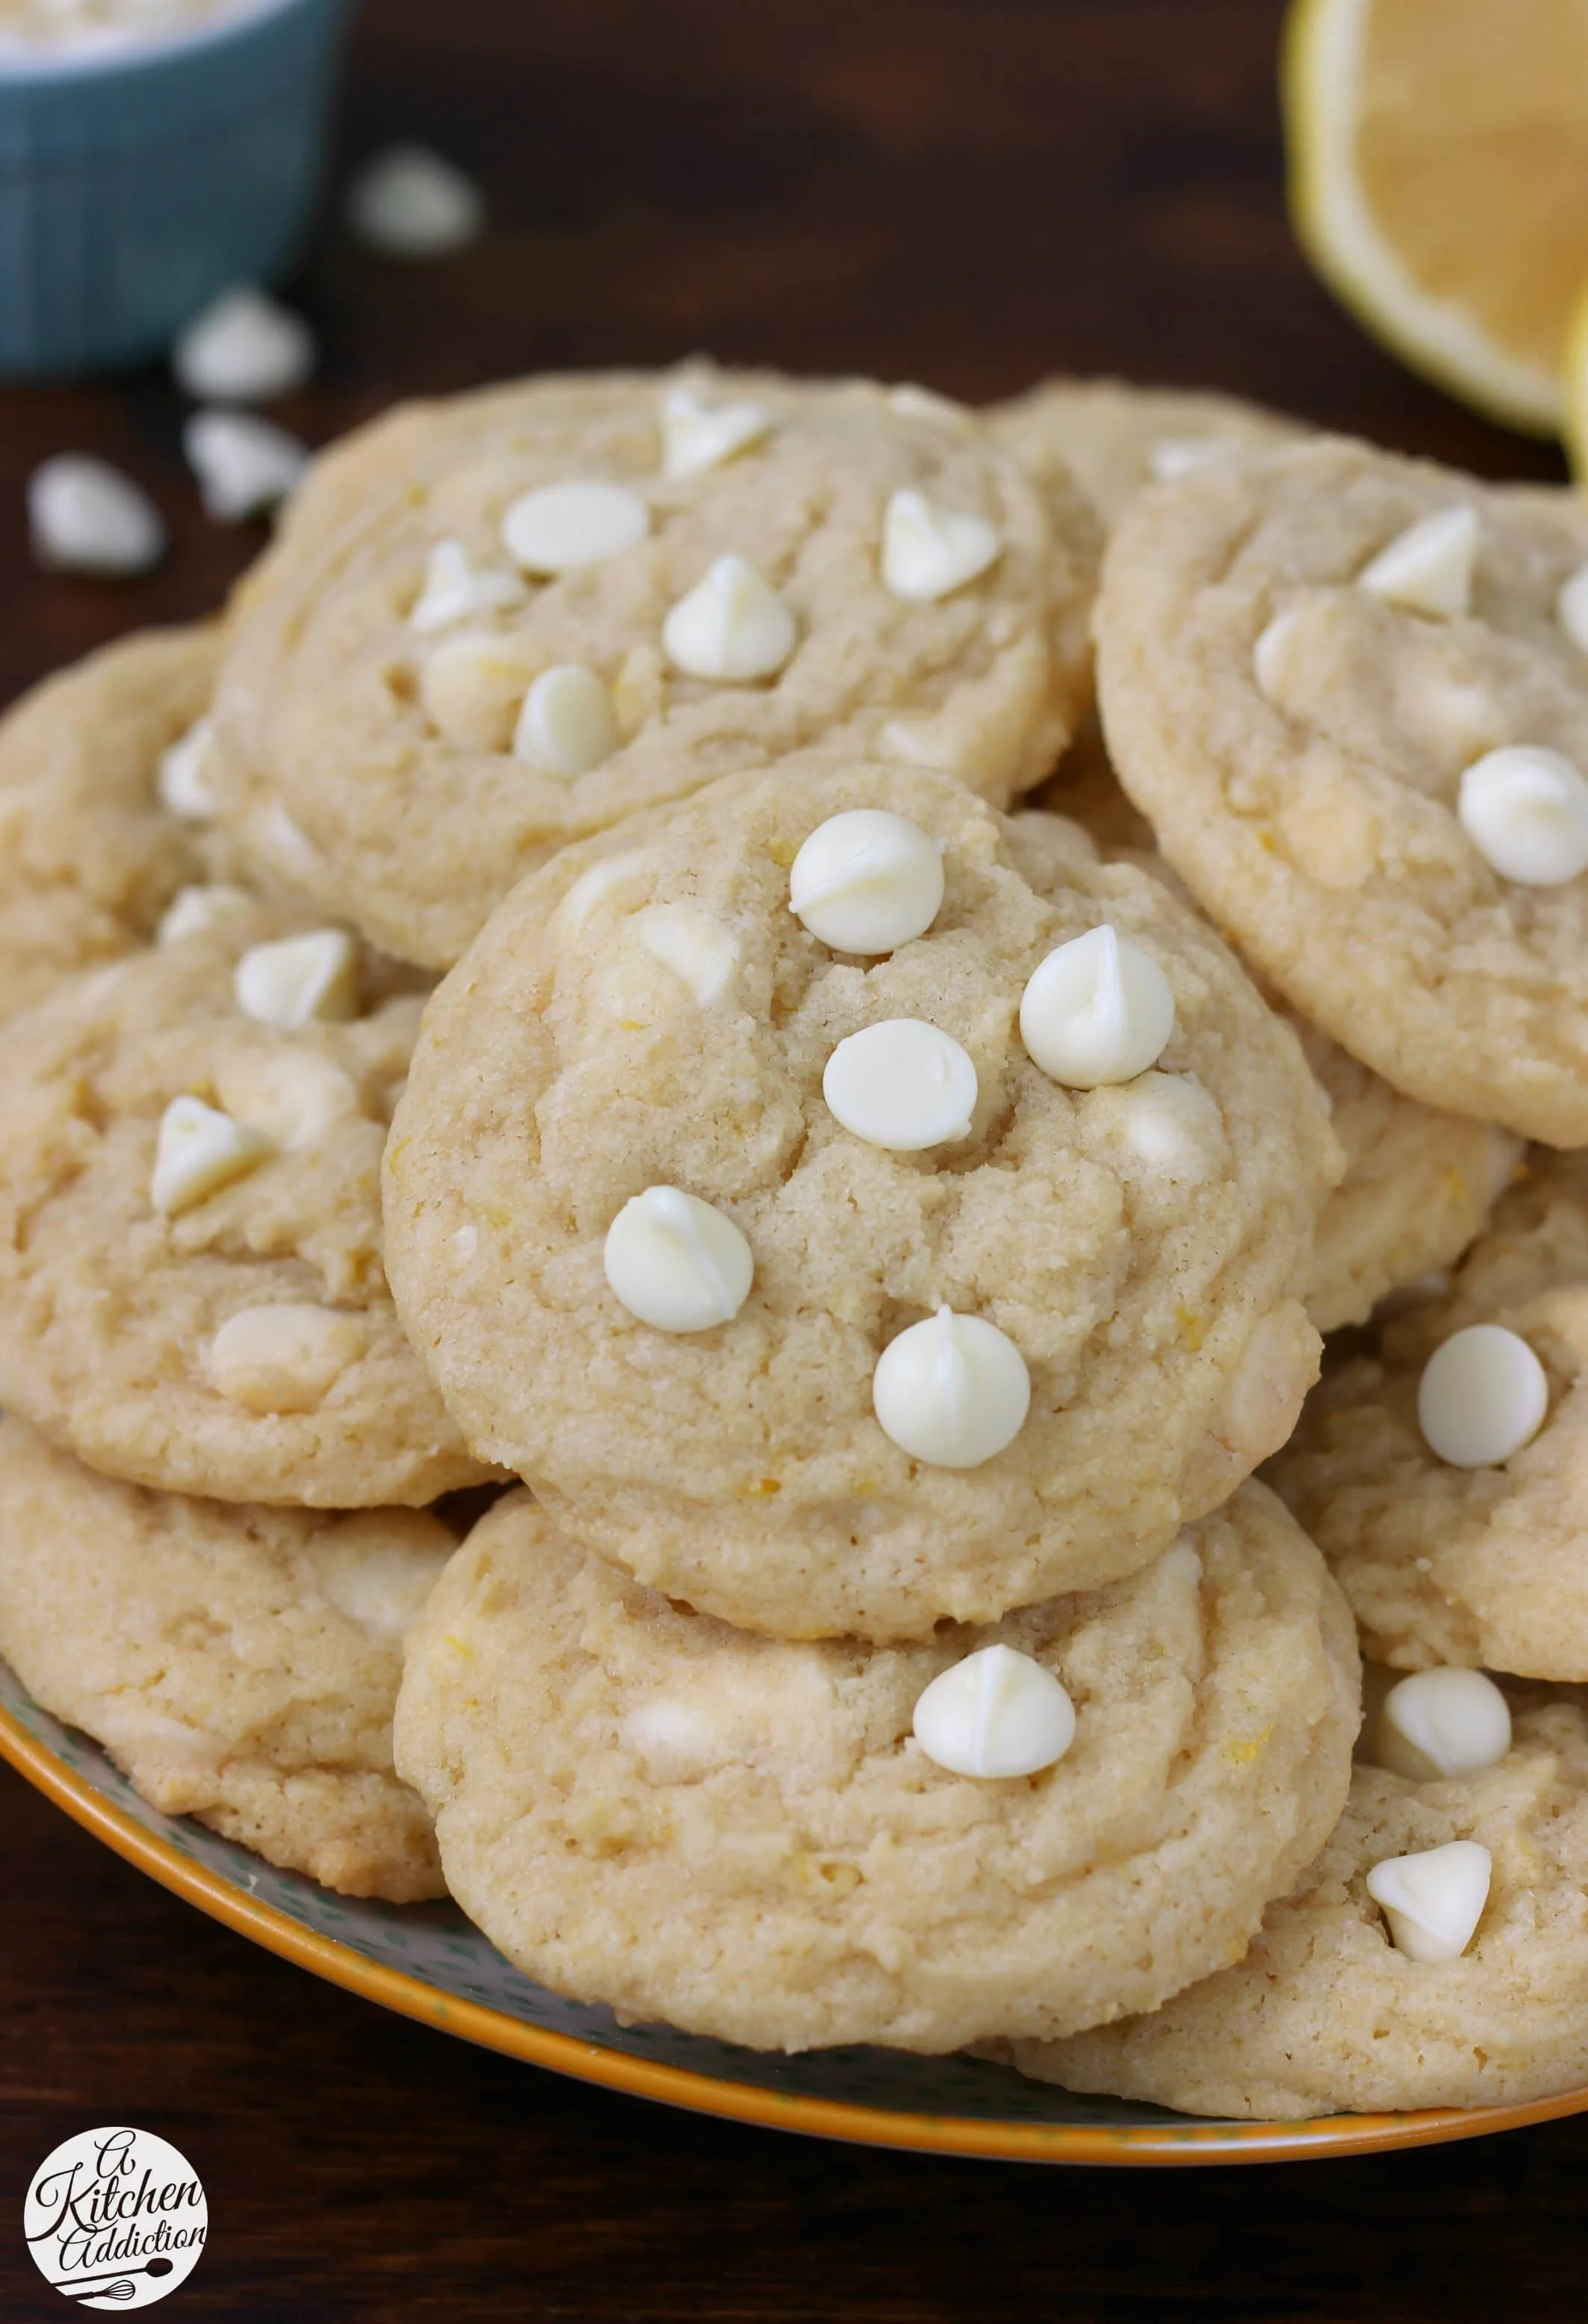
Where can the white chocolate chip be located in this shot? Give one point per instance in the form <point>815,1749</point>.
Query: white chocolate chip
<point>1098,1010</point>
<point>1571,607</point>
<point>290,1095</point>
<point>676,1263</point>
<point>1170,457</point>
<point>903,1084</point>
<point>1169,1127</point>
<point>605,883</point>
<point>1434,1900</point>
<point>699,950</point>
<point>409,202</point>
<point>194,911</point>
<point>281,841</point>
<point>912,401</point>
<point>183,789</point>
<point>85,517</point>
<point>243,464</point>
<point>929,552</point>
<point>199,1151</point>
<point>471,688</point>
<point>380,1583</point>
<point>696,436</point>
<point>1482,1395</point>
<point>456,589</point>
<point>1267,656</point>
<point>732,626</point>
<point>866,882</point>
<point>567,725</point>
<point>283,1358</point>
<point>951,1391</point>
<point>558,528</point>
<point>244,348</point>
<point>1428,567</point>
<point>298,980</point>
<point>1526,811</point>
<point>997,1714</point>
<point>1442,1725</point>
<point>466,1241</point>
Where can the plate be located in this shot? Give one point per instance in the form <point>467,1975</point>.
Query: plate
<point>430,1963</point>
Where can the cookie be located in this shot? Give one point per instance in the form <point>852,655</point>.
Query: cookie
<point>1346,690</point>
<point>239,1664</point>
<point>191,1293</point>
<point>1419,1184</point>
<point>1467,1564</point>
<point>497,624</point>
<point>744,1837</point>
<point>90,855</point>
<point>1327,2015</point>
<point>645,1062</point>
<point>1112,437</point>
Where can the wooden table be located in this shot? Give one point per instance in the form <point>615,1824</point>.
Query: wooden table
<point>965,192</point>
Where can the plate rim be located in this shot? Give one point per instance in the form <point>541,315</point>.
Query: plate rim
<point>1136,2144</point>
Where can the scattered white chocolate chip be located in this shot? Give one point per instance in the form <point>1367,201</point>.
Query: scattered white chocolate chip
<point>466,1241</point>
<point>951,1391</point>
<point>732,626</point>
<point>1170,1127</point>
<point>456,589</point>
<point>298,980</point>
<point>1434,1900</point>
<point>294,1095</point>
<point>183,788</point>
<point>558,528</point>
<point>1098,1010</point>
<point>605,881</point>
<point>471,688</point>
<point>696,436</point>
<point>281,841</point>
<point>1482,1395</point>
<point>1571,607</point>
<point>409,202</point>
<point>1442,1724</point>
<point>676,1263</point>
<point>380,1583</point>
<point>997,1714</point>
<point>197,1151</point>
<point>283,1358</point>
<point>903,1084</point>
<point>85,517</point>
<point>1428,567</point>
<point>244,348</point>
<point>912,402</point>
<point>699,950</point>
<point>1267,656</point>
<point>1525,809</point>
<point>1170,457</point>
<point>244,464</point>
<point>929,552</point>
<point>866,882</point>
<point>194,911</point>
<point>567,725</point>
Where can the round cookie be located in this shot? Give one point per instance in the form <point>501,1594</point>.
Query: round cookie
<point>375,762</point>
<point>1464,1566</point>
<point>1325,2015</point>
<point>240,1664</point>
<point>648,1012</point>
<point>641,1806</point>
<point>239,1342</point>
<point>1419,1184</point>
<point>1112,437</point>
<point>89,858</point>
<point>1312,809</point>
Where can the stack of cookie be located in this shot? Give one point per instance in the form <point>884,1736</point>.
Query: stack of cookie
<point>884,1230</point>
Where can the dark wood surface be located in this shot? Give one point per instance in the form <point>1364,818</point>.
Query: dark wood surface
<point>966,192</point>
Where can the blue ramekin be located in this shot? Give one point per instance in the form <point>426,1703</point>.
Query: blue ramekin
<point>135,183</point>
